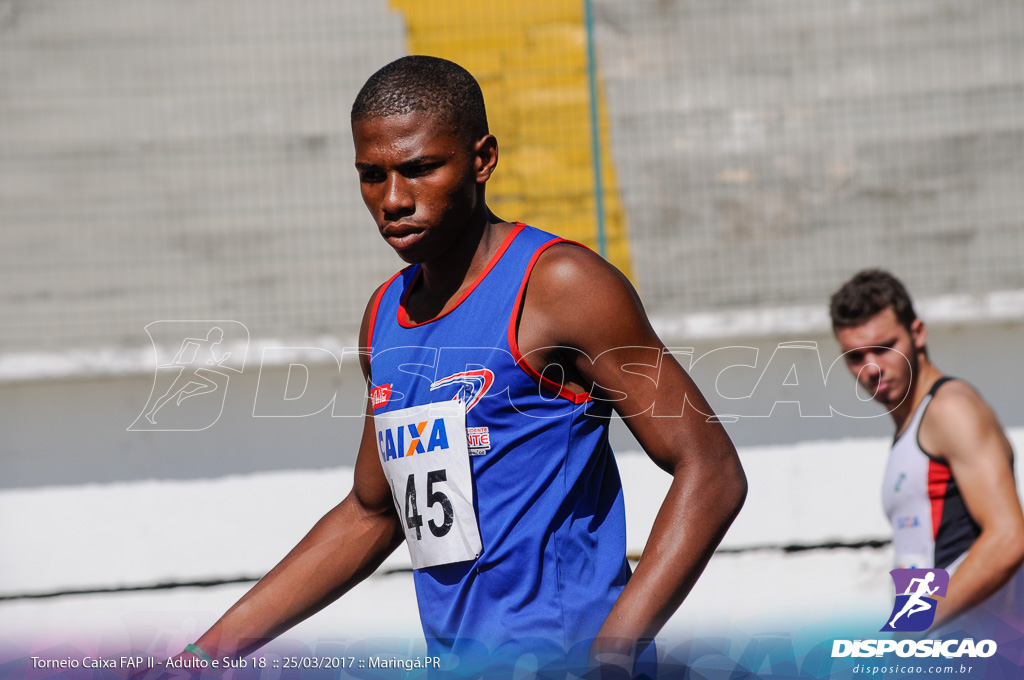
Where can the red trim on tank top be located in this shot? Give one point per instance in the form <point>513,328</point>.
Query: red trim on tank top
<point>403,316</point>
<point>560,390</point>
<point>924,409</point>
<point>376,306</point>
<point>939,475</point>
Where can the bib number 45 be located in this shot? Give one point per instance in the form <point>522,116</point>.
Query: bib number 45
<point>432,482</point>
<point>413,518</point>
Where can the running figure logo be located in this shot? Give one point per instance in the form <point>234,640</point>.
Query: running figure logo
<point>196,369</point>
<point>914,609</point>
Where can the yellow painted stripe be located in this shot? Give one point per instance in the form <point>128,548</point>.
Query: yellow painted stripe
<point>530,57</point>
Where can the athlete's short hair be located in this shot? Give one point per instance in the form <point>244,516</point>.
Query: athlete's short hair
<point>436,86</point>
<point>869,292</point>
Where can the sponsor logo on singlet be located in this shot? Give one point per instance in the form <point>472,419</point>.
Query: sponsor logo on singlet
<point>410,439</point>
<point>474,383</point>
<point>380,395</point>
<point>479,440</point>
<point>908,522</point>
<point>474,386</point>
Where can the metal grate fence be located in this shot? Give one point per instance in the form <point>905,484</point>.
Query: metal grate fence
<point>167,160</point>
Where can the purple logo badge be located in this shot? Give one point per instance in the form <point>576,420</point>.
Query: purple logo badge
<point>916,589</point>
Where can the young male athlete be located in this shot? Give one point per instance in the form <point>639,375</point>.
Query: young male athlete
<point>949,486</point>
<point>494,363</point>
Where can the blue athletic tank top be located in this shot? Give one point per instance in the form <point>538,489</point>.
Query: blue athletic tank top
<point>546,490</point>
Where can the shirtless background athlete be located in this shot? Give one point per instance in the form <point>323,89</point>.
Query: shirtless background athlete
<point>949,486</point>
<point>424,156</point>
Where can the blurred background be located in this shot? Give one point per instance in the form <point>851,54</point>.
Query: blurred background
<point>167,167</point>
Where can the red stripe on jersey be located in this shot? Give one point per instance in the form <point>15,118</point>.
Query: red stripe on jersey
<point>938,481</point>
<point>560,390</point>
<point>403,316</point>
<point>376,306</point>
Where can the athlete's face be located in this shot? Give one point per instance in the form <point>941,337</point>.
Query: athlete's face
<point>883,355</point>
<point>420,182</point>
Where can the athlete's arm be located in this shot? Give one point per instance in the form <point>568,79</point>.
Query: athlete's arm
<point>961,428</point>
<point>342,549</point>
<point>576,300</point>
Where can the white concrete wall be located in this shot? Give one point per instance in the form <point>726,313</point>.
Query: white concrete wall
<point>74,430</point>
<point>142,534</point>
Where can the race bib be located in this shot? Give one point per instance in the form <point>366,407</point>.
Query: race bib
<point>425,456</point>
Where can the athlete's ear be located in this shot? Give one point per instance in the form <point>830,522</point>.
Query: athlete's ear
<point>485,157</point>
<point>919,333</point>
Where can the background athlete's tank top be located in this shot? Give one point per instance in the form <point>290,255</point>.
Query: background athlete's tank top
<point>546,491</point>
<point>932,527</point>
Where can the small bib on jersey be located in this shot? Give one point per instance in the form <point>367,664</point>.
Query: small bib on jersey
<point>425,455</point>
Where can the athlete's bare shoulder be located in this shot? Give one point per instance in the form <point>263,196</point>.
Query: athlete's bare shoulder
<point>568,263</point>
<point>958,421</point>
<point>956,405</point>
<point>366,328</point>
<point>573,290</point>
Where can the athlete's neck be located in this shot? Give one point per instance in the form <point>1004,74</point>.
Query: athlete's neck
<point>443,280</point>
<point>924,377</point>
